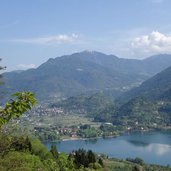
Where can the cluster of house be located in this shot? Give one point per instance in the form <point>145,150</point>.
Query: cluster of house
<point>40,110</point>
<point>69,131</point>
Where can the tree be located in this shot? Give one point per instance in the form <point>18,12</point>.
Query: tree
<point>83,158</point>
<point>21,102</point>
<point>54,151</point>
<point>91,156</point>
<point>101,162</point>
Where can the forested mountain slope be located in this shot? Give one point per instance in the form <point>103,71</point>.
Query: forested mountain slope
<point>85,72</point>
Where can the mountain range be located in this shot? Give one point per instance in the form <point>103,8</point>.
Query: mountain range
<point>156,88</point>
<point>85,72</point>
<point>148,104</point>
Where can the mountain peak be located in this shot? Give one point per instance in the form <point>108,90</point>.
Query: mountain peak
<point>91,52</point>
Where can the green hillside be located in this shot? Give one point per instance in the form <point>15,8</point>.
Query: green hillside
<point>156,88</point>
<point>87,105</point>
<point>148,106</point>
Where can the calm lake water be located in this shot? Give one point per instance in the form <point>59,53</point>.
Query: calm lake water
<point>152,147</point>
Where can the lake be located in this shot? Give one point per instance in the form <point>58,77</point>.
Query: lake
<point>154,147</point>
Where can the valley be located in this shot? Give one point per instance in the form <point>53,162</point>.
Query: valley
<point>101,112</point>
<point>85,85</point>
<point>81,106</point>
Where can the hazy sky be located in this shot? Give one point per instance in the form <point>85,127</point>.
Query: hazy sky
<point>31,31</point>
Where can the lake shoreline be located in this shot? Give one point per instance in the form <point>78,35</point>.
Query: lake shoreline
<point>152,147</point>
<point>80,138</point>
<point>112,136</point>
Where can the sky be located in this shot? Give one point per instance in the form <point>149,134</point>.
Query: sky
<point>32,31</point>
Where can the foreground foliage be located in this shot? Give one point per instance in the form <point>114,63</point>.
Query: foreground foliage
<point>21,102</point>
<point>20,153</point>
<point>23,154</point>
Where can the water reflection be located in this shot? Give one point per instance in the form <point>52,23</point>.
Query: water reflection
<point>91,141</point>
<point>138,143</point>
<point>159,149</point>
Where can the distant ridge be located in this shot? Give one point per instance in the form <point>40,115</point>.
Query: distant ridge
<point>156,88</point>
<point>85,72</point>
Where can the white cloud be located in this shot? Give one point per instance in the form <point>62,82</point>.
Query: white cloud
<point>152,43</point>
<point>50,40</point>
<point>26,66</point>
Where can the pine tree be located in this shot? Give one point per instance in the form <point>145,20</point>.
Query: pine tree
<point>54,151</point>
<point>101,162</point>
